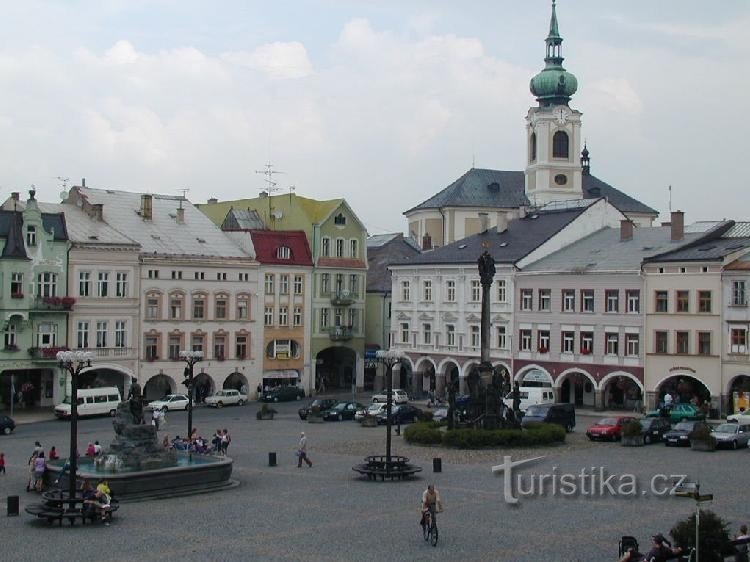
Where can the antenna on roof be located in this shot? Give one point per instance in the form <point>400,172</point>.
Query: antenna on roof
<point>64,182</point>
<point>670,198</point>
<point>184,195</point>
<point>271,185</point>
<point>291,189</point>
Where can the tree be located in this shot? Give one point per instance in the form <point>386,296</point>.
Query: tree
<point>715,542</point>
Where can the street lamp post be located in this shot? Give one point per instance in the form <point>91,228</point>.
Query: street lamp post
<point>74,362</point>
<point>692,490</point>
<point>191,358</point>
<point>390,359</point>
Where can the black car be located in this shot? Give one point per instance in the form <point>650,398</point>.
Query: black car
<point>342,411</point>
<point>7,425</point>
<point>282,393</point>
<point>679,435</point>
<point>403,413</point>
<point>654,429</point>
<point>562,414</point>
<point>321,403</point>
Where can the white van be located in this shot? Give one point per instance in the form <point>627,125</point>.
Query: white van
<point>92,402</point>
<point>531,395</point>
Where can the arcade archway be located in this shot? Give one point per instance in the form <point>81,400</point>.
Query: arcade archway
<point>98,377</point>
<point>578,387</point>
<point>684,389</point>
<point>157,387</point>
<point>739,394</point>
<point>621,391</point>
<point>236,381</point>
<point>336,369</point>
<point>203,386</point>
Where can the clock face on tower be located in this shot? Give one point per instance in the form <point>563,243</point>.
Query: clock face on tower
<point>562,116</point>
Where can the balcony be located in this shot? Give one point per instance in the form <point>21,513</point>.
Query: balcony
<point>340,333</point>
<point>45,353</point>
<point>53,304</point>
<point>110,352</point>
<point>342,297</point>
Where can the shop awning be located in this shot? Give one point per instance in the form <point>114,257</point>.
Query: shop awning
<point>286,374</point>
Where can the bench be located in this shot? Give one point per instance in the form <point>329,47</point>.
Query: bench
<point>52,510</point>
<point>377,466</point>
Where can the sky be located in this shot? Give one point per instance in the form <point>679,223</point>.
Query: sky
<point>381,102</point>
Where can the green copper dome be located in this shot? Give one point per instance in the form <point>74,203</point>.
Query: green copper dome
<point>553,85</point>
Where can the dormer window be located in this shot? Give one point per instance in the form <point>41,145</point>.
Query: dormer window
<point>339,219</point>
<point>283,252</point>
<point>31,236</point>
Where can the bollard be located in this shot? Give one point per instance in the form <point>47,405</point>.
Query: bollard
<point>12,506</point>
<point>437,464</point>
<point>271,459</point>
<point>398,429</point>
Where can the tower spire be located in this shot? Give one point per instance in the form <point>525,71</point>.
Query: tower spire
<point>553,85</point>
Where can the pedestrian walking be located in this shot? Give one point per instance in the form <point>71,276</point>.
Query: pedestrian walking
<point>40,466</point>
<point>302,451</point>
<point>216,442</point>
<point>97,449</point>
<point>226,439</point>
<point>2,463</point>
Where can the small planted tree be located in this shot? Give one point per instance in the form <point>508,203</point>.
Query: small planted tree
<point>701,438</point>
<point>713,536</point>
<point>632,434</point>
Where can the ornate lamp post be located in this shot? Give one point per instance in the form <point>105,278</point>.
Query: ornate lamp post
<point>191,358</point>
<point>389,358</point>
<point>74,362</point>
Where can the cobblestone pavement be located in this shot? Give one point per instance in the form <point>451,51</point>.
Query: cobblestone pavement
<point>326,513</point>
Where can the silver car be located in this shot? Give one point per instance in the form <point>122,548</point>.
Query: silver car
<point>732,435</point>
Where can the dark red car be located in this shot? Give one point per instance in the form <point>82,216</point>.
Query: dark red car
<point>608,429</point>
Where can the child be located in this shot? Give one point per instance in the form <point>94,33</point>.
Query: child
<point>2,463</point>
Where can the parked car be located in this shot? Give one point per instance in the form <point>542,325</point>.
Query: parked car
<point>609,429</point>
<point>531,395</point>
<point>560,414</point>
<point>654,429</point>
<point>283,393</point>
<point>169,402</point>
<point>399,396</point>
<point>226,397</point>
<point>403,413</point>
<point>92,402</point>
<point>680,434</point>
<point>7,425</point>
<point>371,410</point>
<point>740,417</point>
<point>322,404</point>
<point>732,435</point>
<point>679,412</point>
<point>342,411</point>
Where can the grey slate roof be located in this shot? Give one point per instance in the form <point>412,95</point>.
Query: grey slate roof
<point>243,219</point>
<point>14,246</point>
<point>378,257</point>
<point>50,221</point>
<point>710,250</point>
<point>603,251</point>
<point>196,236</point>
<point>377,240</point>
<point>522,237</point>
<point>481,187</point>
<point>84,229</point>
<point>739,230</point>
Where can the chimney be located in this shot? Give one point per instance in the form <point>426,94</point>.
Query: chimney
<point>83,182</point>
<point>212,201</point>
<point>502,222</point>
<point>626,230</point>
<point>146,206</point>
<point>97,211</point>
<point>427,242</point>
<point>15,196</point>
<point>484,222</point>
<point>678,225</point>
<point>180,218</point>
<point>522,212</point>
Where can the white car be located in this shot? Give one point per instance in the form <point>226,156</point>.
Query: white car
<point>170,402</point>
<point>226,397</point>
<point>399,397</point>
<point>740,417</point>
<point>372,410</point>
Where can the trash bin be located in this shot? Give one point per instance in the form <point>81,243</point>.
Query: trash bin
<point>12,506</point>
<point>271,459</point>
<point>437,464</point>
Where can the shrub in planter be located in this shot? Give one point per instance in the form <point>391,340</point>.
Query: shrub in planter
<point>424,433</point>
<point>713,536</point>
<point>632,434</point>
<point>701,438</point>
<point>315,415</point>
<point>265,413</point>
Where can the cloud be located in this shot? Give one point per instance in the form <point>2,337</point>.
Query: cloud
<point>278,60</point>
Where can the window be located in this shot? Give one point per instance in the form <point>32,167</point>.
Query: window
<point>587,343</point>
<point>542,341</point>
<point>587,300</point>
<point>339,220</point>
<point>325,247</point>
<point>220,307</point>
<point>46,335</point>
<point>197,342</point>
<point>524,340</point>
<point>121,284</point>
<point>121,334</point>
<point>283,316</point>
<point>243,307</point>
<point>738,293</point>
<point>153,273</point>
<point>220,347</point>
<point>633,298</point>
<point>325,284</point>
<point>84,283</point>
<point>174,343</point>
<point>704,301</point>
<point>404,332</point>
<point>502,295</point>
<point>201,275</point>
<point>101,334</point>
<point>338,316</point>
<point>568,300</point>
<point>268,316</point>
<point>354,248</point>
<point>269,282</point>
<point>152,307</point>
<point>683,270</point>
<point>102,284</point>
<point>283,284</point>
<point>545,299</point>
<point>405,294</point>
<point>240,346</point>
<point>152,347</point>
<point>632,345</point>
<point>339,283</point>
<point>178,275</point>
<point>427,334</point>
<point>46,284</point>
<point>527,299</point>
<point>10,337</point>
<point>283,253</point>
<point>560,145</point>
<point>298,284</point>
<point>532,147</point>
<point>568,342</point>
<point>738,338</point>
<point>31,236</point>
<point>175,307</point>
<point>220,276</point>
<point>353,285</point>
<point>661,301</point>
<point>661,344</point>
<point>683,301</point>
<point>324,318</point>
<point>427,290</point>
<point>339,248</point>
<point>16,285</point>
<point>502,339</point>
<point>474,336</point>
<point>704,343</point>
<point>298,316</point>
<point>450,291</point>
<point>612,300</point>
<point>682,342</point>
<point>83,334</point>
<point>476,290</point>
<point>199,307</point>
<point>612,340</point>
<point>450,335</point>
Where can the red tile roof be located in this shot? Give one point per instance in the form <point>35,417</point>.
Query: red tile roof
<point>267,242</point>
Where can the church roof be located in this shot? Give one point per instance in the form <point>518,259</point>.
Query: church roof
<point>380,255</point>
<point>504,189</point>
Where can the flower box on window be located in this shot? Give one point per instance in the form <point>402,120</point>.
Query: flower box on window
<point>68,301</point>
<point>16,295</point>
<point>585,351</point>
<point>542,349</point>
<point>11,347</point>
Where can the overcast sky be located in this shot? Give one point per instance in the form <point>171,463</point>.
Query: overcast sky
<point>382,102</point>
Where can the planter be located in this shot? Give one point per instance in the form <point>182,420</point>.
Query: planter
<point>702,445</point>
<point>632,441</point>
<point>369,421</point>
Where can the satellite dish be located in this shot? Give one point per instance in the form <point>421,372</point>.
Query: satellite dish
<point>277,214</point>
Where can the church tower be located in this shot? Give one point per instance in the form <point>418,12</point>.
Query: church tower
<point>553,129</point>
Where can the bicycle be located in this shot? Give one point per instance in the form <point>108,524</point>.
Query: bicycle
<point>429,527</point>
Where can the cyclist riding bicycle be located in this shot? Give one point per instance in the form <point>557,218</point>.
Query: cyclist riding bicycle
<point>430,500</point>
